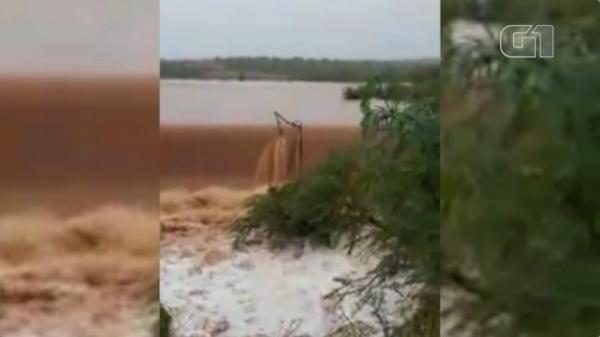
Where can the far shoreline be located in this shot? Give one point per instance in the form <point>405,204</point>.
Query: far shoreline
<point>258,80</point>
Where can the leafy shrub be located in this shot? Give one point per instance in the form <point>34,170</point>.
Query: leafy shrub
<point>520,216</point>
<point>164,322</point>
<point>383,192</point>
<point>320,206</point>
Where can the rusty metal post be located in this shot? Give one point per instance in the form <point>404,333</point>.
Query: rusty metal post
<point>299,129</point>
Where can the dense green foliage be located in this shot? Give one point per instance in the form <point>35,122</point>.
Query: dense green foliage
<point>421,82</point>
<point>520,177</point>
<point>415,84</point>
<point>382,193</point>
<point>164,325</point>
<point>267,68</point>
<point>406,86</point>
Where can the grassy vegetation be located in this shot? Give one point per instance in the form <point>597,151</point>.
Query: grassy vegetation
<point>382,193</point>
<point>292,69</point>
<point>521,158</point>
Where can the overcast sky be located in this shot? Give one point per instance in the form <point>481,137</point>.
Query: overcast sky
<point>349,29</point>
<point>121,36</point>
<point>81,36</point>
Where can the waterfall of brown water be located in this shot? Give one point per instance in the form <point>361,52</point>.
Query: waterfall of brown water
<point>279,160</point>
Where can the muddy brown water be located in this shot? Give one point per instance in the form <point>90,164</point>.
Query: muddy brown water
<point>78,159</point>
<point>195,157</point>
<point>70,144</point>
<point>212,132</point>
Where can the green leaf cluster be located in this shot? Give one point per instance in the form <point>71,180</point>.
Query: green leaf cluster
<point>520,178</point>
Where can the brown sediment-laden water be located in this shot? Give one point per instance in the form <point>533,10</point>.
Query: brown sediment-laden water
<point>214,132</point>
<point>79,234</point>
<point>194,157</point>
<point>84,275</point>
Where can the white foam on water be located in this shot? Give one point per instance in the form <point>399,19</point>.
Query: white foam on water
<point>262,292</point>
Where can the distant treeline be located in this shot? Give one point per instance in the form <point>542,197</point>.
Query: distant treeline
<point>293,69</point>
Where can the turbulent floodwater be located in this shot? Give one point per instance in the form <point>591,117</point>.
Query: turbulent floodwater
<point>262,292</point>
<point>194,102</point>
<point>78,213</point>
<point>92,274</point>
<point>213,290</point>
<point>209,288</point>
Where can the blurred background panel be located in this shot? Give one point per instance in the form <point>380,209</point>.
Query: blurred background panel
<point>79,128</point>
<point>79,103</point>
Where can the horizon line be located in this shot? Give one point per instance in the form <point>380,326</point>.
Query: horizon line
<point>212,58</point>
